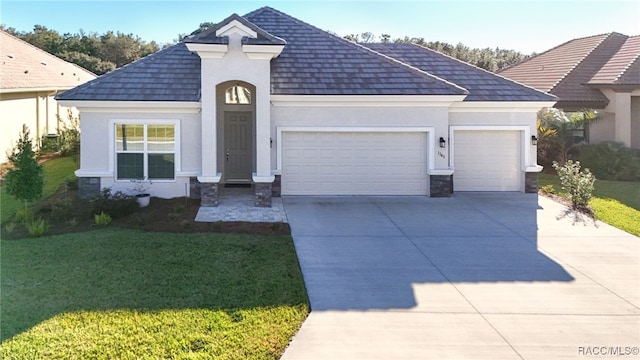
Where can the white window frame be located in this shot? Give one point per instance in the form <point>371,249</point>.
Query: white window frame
<point>114,153</point>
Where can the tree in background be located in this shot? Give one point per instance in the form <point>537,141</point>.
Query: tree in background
<point>96,53</point>
<point>558,134</point>
<point>487,58</point>
<point>25,179</point>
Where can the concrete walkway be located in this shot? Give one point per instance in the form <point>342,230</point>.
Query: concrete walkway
<point>476,276</point>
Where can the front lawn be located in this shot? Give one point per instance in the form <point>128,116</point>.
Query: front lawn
<point>56,172</point>
<point>616,203</point>
<point>127,294</point>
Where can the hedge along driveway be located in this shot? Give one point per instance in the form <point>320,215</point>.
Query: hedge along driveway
<point>116,293</point>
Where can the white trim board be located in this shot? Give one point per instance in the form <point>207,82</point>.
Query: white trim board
<point>430,130</point>
<point>366,100</point>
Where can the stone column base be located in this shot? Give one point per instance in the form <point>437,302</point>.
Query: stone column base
<point>194,188</point>
<point>276,186</point>
<point>263,194</point>
<point>88,187</point>
<point>531,182</point>
<point>441,185</point>
<point>209,194</point>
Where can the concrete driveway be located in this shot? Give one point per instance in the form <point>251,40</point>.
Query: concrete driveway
<point>475,276</point>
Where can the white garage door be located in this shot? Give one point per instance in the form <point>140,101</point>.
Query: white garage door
<point>354,163</point>
<point>487,161</point>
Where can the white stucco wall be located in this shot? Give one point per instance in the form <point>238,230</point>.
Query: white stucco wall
<point>360,116</point>
<point>97,161</point>
<point>504,117</point>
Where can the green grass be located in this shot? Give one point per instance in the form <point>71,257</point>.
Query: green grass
<point>56,171</point>
<point>616,203</point>
<point>126,294</point>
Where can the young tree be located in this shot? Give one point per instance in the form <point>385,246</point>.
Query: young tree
<point>25,180</point>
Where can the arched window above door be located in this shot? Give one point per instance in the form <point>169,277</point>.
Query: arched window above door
<point>238,95</point>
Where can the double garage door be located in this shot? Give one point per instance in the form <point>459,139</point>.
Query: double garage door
<point>354,163</point>
<point>394,163</point>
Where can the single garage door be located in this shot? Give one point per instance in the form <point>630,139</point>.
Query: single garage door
<point>354,163</point>
<point>487,160</point>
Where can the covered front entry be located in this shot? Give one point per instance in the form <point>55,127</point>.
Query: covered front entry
<point>238,146</point>
<point>354,163</point>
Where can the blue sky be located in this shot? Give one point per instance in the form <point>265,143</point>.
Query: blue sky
<point>521,25</point>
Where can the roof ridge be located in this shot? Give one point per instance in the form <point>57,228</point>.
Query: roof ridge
<point>362,48</point>
<point>608,36</point>
<point>48,53</point>
<point>479,68</point>
<point>549,50</point>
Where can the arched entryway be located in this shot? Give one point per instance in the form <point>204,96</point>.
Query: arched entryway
<point>236,131</point>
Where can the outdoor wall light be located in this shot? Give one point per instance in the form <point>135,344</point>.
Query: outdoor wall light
<point>534,140</point>
<point>442,142</point>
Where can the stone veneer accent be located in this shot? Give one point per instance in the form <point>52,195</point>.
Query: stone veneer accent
<point>88,187</point>
<point>263,194</point>
<point>209,194</point>
<point>194,188</point>
<point>441,185</point>
<point>531,182</point>
<point>276,187</point>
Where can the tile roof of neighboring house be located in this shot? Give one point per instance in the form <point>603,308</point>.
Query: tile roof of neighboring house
<point>623,68</point>
<point>313,62</point>
<point>482,85</point>
<point>24,67</point>
<point>567,70</point>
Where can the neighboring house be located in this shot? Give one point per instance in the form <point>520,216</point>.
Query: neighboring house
<point>600,72</point>
<point>29,80</point>
<point>270,100</point>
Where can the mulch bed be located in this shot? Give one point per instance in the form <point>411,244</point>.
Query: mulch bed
<point>162,215</point>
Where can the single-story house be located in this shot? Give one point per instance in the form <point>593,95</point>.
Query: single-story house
<point>600,72</point>
<point>268,100</point>
<point>30,78</point>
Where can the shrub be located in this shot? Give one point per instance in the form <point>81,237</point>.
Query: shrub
<point>62,209</point>
<point>37,228</point>
<point>69,131</point>
<point>9,227</point>
<point>576,182</point>
<point>102,219</point>
<point>24,215</point>
<point>612,160</point>
<point>71,183</point>
<point>117,204</point>
<point>548,189</point>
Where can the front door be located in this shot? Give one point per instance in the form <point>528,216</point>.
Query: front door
<point>238,146</point>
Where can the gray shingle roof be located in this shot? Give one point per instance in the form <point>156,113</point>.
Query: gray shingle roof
<point>482,85</point>
<point>172,74</point>
<point>313,62</point>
